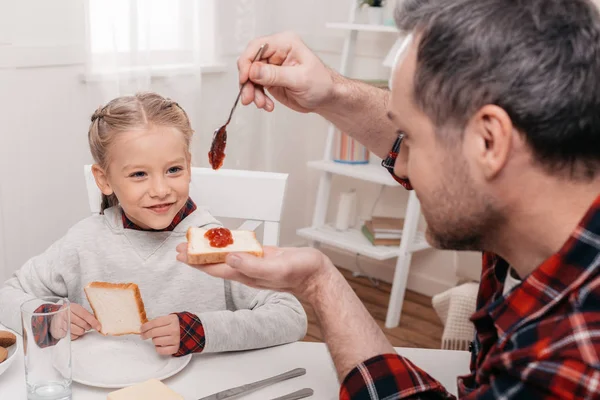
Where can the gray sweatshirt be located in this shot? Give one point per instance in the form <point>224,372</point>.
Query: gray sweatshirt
<point>234,316</point>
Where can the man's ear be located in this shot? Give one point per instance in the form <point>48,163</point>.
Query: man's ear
<point>101,180</point>
<point>490,136</point>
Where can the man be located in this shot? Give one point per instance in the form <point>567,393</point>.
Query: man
<point>498,105</point>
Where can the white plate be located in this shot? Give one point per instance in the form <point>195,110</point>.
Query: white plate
<point>120,361</point>
<point>12,353</point>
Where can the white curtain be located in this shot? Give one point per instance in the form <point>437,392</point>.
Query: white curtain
<point>148,45</point>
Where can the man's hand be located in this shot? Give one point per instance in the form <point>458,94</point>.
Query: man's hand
<point>164,332</point>
<point>296,270</point>
<point>81,322</point>
<point>289,70</point>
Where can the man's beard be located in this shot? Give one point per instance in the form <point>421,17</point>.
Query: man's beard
<point>461,217</point>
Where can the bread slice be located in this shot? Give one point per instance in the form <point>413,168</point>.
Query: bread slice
<point>149,390</point>
<point>117,306</point>
<point>200,251</point>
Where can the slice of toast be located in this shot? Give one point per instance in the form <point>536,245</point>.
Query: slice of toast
<point>117,306</point>
<point>200,251</point>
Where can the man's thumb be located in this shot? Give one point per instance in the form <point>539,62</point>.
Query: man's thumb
<point>273,75</point>
<point>249,265</point>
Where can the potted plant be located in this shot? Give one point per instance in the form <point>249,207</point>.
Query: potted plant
<point>374,10</point>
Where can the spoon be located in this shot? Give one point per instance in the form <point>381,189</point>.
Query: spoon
<point>216,155</point>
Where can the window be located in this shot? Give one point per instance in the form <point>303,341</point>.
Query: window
<point>130,34</point>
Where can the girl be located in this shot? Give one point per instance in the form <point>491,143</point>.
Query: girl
<point>140,145</point>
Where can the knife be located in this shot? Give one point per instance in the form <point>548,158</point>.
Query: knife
<point>299,394</point>
<point>250,387</point>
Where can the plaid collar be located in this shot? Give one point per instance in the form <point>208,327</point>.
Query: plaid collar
<point>575,264</point>
<point>186,210</point>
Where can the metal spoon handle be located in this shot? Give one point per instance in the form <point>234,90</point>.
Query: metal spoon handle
<point>256,57</point>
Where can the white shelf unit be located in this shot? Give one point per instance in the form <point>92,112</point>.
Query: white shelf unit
<point>353,240</point>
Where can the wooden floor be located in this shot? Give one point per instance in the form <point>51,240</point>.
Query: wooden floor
<point>419,325</point>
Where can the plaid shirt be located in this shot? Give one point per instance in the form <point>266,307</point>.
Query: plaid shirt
<point>192,338</point>
<point>540,341</point>
<point>191,334</point>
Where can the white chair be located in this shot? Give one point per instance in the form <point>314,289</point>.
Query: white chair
<point>256,197</point>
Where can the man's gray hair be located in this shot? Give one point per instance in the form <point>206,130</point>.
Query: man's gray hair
<point>539,60</point>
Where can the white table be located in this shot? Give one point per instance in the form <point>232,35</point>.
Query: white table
<point>210,373</point>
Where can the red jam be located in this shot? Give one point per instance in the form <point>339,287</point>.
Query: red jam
<point>216,155</point>
<point>219,237</point>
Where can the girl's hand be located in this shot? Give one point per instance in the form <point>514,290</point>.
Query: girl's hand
<point>81,322</point>
<point>164,332</point>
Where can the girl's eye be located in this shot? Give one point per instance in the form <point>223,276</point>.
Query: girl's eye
<point>174,170</point>
<point>138,174</point>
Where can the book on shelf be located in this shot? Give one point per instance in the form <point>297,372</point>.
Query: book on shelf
<point>386,234</point>
<point>383,231</point>
<point>378,241</point>
<point>387,224</point>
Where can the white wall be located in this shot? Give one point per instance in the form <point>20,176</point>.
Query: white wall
<point>44,114</point>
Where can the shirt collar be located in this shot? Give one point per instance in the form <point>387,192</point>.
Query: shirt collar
<point>188,208</point>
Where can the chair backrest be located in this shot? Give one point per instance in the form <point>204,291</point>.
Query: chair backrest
<point>256,197</point>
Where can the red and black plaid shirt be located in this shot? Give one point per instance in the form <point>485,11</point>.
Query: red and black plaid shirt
<point>192,337</point>
<point>540,341</point>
